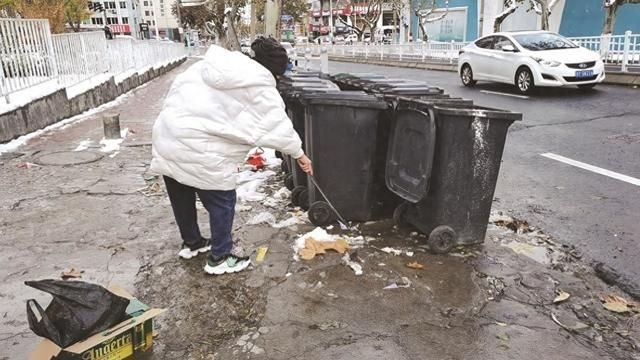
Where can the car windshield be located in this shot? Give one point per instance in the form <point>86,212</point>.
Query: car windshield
<point>287,45</point>
<point>543,41</point>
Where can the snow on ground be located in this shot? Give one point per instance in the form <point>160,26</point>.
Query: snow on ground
<point>25,96</point>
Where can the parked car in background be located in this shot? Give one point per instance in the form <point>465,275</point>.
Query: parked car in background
<point>351,39</point>
<point>528,59</point>
<point>302,40</point>
<point>366,38</point>
<point>339,40</point>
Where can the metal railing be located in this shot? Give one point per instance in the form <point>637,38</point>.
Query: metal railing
<point>619,52</point>
<point>31,56</point>
<point>615,50</point>
<point>26,54</point>
<point>446,52</point>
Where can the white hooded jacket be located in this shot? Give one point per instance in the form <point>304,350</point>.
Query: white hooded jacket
<point>215,112</point>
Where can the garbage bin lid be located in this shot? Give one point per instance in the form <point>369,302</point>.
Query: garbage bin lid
<point>346,98</point>
<point>410,154</point>
<point>479,112</point>
<point>432,101</point>
<point>422,91</point>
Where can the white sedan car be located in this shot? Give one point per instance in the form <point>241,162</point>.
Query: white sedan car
<point>528,59</point>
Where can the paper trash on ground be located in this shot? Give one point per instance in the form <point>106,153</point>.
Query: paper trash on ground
<point>250,184</point>
<point>356,267</point>
<point>311,244</point>
<point>262,218</point>
<point>390,250</point>
<point>406,283</point>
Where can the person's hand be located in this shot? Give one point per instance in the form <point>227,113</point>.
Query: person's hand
<point>305,164</point>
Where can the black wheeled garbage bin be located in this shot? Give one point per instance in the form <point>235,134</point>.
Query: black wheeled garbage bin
<point>445,162</point>
<point>342,141</point>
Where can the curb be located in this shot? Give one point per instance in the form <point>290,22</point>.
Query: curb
<point>613,77</point>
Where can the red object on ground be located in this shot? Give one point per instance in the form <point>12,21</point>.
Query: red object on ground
<point>256,159</point>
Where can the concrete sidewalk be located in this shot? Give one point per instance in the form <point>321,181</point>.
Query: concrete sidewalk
<point>111,218</point>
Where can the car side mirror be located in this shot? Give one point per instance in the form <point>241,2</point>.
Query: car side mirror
<point>508,48</point>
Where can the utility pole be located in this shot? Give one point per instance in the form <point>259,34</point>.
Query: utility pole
<point>155,19</point>
<point>254,20</point>
<point>178,6</point>
<point>331,21</point>
<point>272,15</point>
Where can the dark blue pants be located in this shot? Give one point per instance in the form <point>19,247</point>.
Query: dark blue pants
<point>221,206</point>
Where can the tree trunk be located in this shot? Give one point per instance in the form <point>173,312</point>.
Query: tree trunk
<point>544,19</point>
<point>425,37</point>
<point>610,19</point>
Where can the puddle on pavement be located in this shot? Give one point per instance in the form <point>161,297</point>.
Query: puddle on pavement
<point>537,253</point>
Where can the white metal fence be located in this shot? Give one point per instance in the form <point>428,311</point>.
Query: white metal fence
<point>31,56</point>
<point>619,52</point>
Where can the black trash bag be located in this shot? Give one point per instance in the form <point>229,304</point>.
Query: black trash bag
<point>78,310</point>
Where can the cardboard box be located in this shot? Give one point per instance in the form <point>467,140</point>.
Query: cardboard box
<point>127,340</point>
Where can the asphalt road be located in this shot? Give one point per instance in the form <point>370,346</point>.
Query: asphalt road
<point>599,214</point>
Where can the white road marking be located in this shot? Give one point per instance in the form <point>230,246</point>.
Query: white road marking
<point>504,94</point>
<point>595,169</point>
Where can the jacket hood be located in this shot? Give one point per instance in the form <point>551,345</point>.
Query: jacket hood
<point>224,69</point>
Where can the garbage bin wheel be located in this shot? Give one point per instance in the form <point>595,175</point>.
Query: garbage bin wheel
<point>442,239</point>
<point>320,214</point>
<point>303,199</point>
<point>284,167</point>
<point>295,194</point>
<point>399,215</point>
<point>288,182</point>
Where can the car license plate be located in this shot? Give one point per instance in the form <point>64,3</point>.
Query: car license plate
<point>584,74</point>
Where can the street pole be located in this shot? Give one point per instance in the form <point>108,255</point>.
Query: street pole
<point>254,20</point>
<point>178,5</point>
<point>331,21</point>
<point>155,19</point>
<point>272,18</point>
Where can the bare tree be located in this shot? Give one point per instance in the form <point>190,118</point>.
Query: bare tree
<point>611,9</point>
<point>366,14</point>
<point>424,11</point>
<point>544,9</point>
<point>510,6</point>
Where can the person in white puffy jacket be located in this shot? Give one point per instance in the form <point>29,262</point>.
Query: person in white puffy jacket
<point>214,113</point>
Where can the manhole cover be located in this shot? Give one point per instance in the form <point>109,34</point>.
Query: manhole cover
<point>61,158</point>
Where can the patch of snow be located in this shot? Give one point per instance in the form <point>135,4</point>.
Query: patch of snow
<point>294,220</point>
<point>356,267</point>
<point>250,183</point>
<point>111,145</point>
<point>390,250</point>
<point>84,145</point>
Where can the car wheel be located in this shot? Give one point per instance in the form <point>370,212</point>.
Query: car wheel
<point>466,75</point>
<point>586,86</point>
<point>524,81</point>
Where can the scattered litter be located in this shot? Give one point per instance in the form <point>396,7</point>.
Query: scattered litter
<point>382,264</point>
<point>263,217</point>
<point>318,234</point>
<point>241,208</point>
<point>356,242</point>
<point>261,253</point>
<point>329,325</point>
<point>294,220</point>
<point>282,194</point>
<point>152,189</point>
<point>390,250</point>
<point>313,248</point>
<point>250,183</point>
<point>256,160</point>
<point>330,227</point>
<point>561,296</point>
<point>356,267</point>
<point>616,303</point>
<point>415,265</point>
<point>516,225</point>
<point>409,253</point>
<point>72,273</point>
<point>413,234</point>
<point>27,165</point>
<point>501,324</point>
<point>406,283</point>
<point>270,202</point>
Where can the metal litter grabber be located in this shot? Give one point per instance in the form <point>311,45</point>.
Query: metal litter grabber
<point>321,213</point>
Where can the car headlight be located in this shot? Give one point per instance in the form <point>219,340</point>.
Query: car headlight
<point>544,62</point>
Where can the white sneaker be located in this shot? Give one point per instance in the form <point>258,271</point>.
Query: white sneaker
<point>228,265</point>
<point>188,253</point>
